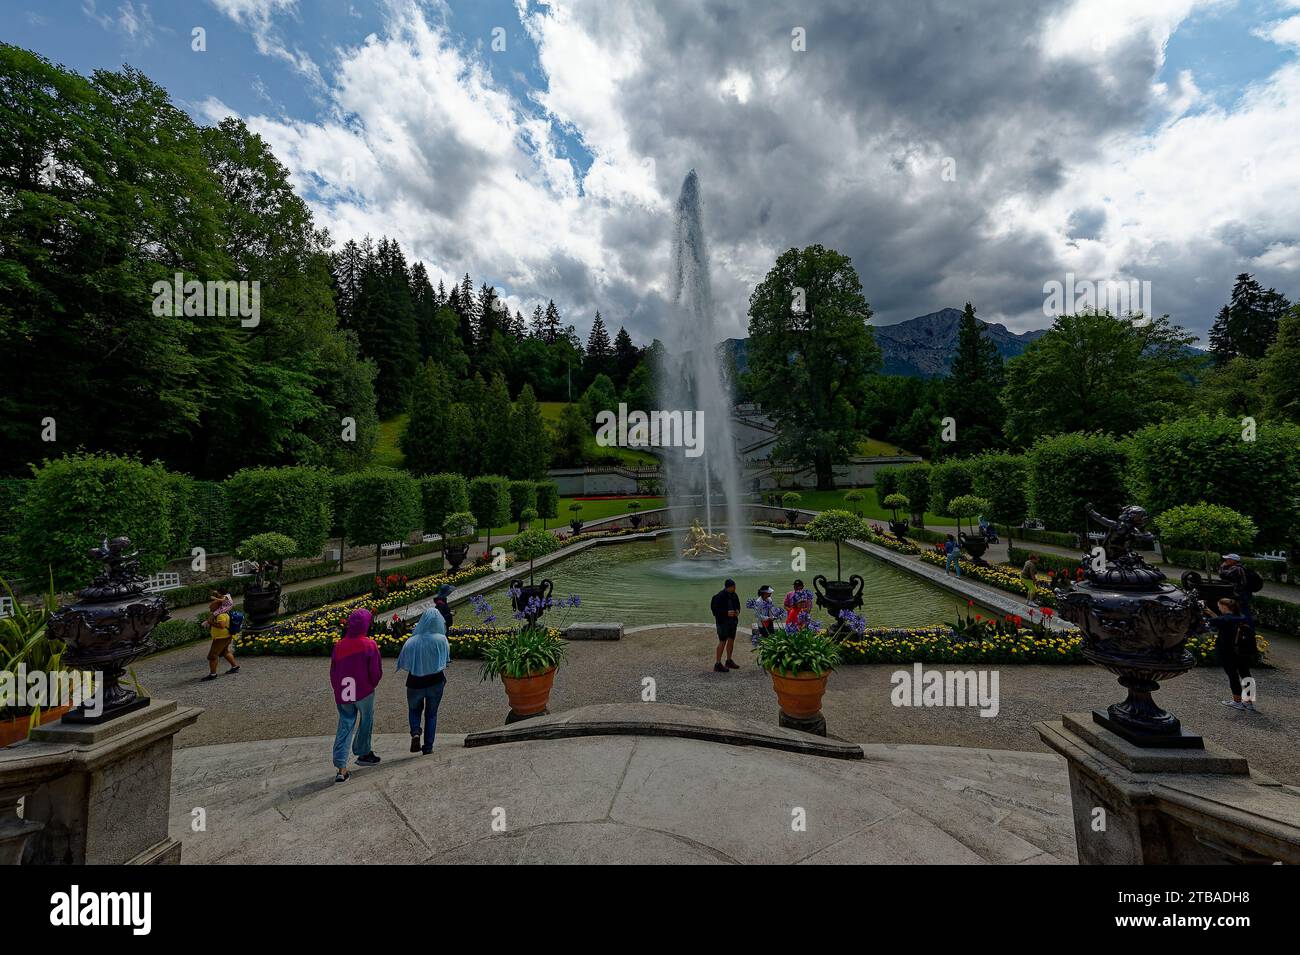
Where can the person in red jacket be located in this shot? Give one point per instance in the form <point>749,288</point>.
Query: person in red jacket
<point>355,671</point>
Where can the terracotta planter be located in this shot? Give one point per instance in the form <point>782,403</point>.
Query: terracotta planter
<point>799,696</point>
<point>15,730</point>
<point>529,695</point>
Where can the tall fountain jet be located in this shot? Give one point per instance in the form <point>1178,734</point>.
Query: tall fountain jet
<point>694,378</point>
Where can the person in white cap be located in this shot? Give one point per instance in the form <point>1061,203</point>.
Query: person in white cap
<point>765,612</point>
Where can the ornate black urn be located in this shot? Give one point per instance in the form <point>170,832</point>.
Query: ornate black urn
<point>262,604</point>
<point>1136,625</point>
<point>108,628</point>
<point>836,596</point>
<point>974,545</point>
<point>453,555</point>
<point>898,528</point>
<point>636,520</point>
<point>522,594</point>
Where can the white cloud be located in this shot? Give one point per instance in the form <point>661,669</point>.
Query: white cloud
<point>258,17</point>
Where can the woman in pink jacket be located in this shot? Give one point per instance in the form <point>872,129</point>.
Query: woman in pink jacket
<point>355,671</point>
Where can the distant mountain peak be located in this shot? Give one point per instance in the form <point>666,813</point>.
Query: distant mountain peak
<point>922,347</point>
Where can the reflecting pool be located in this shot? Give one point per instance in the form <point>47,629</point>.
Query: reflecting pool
<point>645,582</point>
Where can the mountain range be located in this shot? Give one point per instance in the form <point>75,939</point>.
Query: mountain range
<point>921,347</point>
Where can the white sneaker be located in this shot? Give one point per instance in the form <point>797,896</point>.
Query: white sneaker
<point>1235,704</point>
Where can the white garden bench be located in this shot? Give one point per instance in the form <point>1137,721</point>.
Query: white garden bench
<point>168,580</point>
<point>6,607</point>
<point>389,549</point>
<point>1097,536</point>
<point>242,568</point>
<point>1278,555</point>
<point>430,538</point>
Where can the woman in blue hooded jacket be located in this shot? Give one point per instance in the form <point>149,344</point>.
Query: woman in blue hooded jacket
<point>424,657</point>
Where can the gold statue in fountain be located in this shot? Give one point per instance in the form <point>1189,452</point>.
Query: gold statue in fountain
<point>701,545</point>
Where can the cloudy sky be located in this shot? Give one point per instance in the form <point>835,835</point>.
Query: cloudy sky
<point>955,149</point>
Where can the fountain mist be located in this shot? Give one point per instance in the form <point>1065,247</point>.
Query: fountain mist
<point>694,377</point>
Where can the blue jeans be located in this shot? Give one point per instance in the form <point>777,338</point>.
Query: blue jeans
<point>424,702</point>
<point>952,561</point>
<point>348,718</point>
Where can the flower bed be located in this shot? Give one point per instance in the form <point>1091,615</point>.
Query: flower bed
<point>1000,576</point>
<point>942,645</point>
<point>883,538</point>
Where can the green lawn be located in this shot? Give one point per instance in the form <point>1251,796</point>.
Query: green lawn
<point>591,451</point>
<point>873,447</point>
<point>591,510</point>
<point>387,452</point>
<point>828,500</point>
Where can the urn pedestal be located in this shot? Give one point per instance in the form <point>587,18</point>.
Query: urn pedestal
<point>1135,624</point>
<point>107,629</point>
<point>262,606</point>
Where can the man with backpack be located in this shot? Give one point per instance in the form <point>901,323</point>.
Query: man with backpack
<point>1245,581</point>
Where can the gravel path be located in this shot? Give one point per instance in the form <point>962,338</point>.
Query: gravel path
<point>276,697</point>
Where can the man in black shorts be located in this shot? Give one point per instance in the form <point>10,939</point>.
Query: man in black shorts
<point>726,614</point>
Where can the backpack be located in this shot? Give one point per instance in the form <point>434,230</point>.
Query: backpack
<point>236,622</point>
<point>1254,582</point>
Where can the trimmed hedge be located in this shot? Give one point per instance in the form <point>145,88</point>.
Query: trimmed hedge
<point>235,586</point>
<point>1018,555</point>
<point>1057,538</point>
<point>179,631</point>
<point>76,501</point>
<point>293,501</point>
<point>1067,471</point>
<point>440,495</point>
<point>924,534</point>
<point>1280,615</point>
<point>1274,570</point>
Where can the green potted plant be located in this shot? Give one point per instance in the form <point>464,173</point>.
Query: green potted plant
<point>268,552</point>
<point>635,506</point>
<point>968,506</point>
<point>1210,528</point>
<point>791,500</point>
<point>525,659</point>
<point>799,659</point>
<point>837,595</point>
<point>576,523</point>
<point>895,503</point>
<point>526,517</point>
<point>855,497</point>
<point>455,549</point>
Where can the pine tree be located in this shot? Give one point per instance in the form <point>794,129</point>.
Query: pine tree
<point>497,427</point>
<point>972,388</point>
<point>423,442</point>
<point>1248,324</point>
<point>468,314</point>
<point>489,316</point>
<point>626,357</point>
<point>1281,374</point>
<point>532,450</point>
<point>551,324</point>
<point>536,329</point>
<point>600,353</point>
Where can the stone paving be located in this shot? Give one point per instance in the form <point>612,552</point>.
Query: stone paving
<point>622,799</point>
<point>275,697</point>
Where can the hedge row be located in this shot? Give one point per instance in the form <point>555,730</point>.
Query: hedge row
<point>235,586</point>
<point>1018,555</point>
<point>1274,570</point>
<point>1279,615</point>
<point>1056,538</point>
